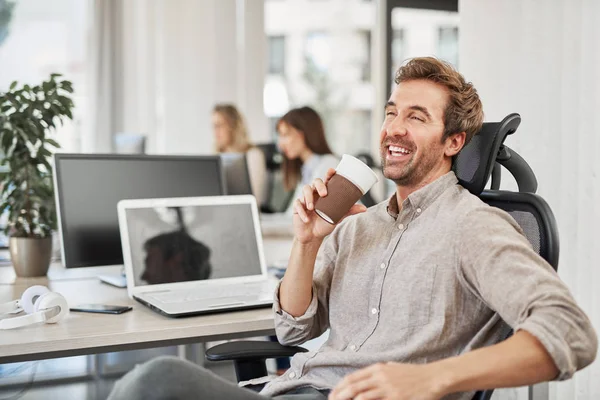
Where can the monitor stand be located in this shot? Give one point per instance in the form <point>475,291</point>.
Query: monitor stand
<point>118,280</point>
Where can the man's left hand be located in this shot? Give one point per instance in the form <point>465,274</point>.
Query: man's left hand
<point>391,381</point>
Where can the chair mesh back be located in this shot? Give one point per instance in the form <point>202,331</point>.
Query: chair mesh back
<point>534,217</point>
<point>531,228</point>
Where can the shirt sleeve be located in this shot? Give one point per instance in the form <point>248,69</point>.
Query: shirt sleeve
<point>498,264</point>
<point>295,330</point>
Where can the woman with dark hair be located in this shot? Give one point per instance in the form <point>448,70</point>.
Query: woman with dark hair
<point>306,154</point>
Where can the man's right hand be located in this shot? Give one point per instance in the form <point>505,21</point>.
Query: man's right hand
<point>308,226</point>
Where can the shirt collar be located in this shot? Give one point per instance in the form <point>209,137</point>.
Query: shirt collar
<point>423,197</point>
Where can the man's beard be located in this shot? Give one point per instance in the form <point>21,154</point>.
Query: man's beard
<point>413,171</point>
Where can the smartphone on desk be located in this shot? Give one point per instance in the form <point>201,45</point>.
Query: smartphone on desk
<point>101,308</point>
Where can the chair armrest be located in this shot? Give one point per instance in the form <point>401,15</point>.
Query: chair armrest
<point>251,350</point>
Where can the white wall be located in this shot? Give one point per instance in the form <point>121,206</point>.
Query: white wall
<point>172,60</point>
<point>542,60</point>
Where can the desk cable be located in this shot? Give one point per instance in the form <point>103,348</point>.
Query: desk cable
<point>27,386</point>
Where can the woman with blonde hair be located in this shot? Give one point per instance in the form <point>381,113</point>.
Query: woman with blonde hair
<point>306,154</point>
<point>231,136</point>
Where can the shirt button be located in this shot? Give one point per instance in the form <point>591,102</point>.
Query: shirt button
<point>374,311</point>
<point>382,266</point>
<point>419,211</point>
<point>401,226</point>
<point>352,347</point>
<point>292,375</point>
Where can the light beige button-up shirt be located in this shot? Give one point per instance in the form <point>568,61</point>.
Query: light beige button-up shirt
<point>432,281</point>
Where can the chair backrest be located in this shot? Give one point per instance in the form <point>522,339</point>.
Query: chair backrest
<point>473,167</point>
<point>277,198</point>
<point>368,199</point>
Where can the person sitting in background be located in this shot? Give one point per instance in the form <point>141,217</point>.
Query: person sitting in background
<point>231,136</point>
<point>306,154</point>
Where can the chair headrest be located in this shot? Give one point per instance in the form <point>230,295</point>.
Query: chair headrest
<point>272,156</point>
<point>473,165</point>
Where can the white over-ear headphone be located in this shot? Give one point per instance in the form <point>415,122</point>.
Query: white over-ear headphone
<point>40,304</point>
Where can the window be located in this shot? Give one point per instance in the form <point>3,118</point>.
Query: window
<point>365,55</point>
<point>448,44</point>
<point>327,67</point>
<point>317,50</point>
<point>397,49</point>
<point>419,32</point>
<point>276,54</point>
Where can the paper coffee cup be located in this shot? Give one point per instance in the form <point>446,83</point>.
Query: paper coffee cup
<point>352,180</point>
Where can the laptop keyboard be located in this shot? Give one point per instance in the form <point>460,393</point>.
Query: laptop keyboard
<point>243,291</point>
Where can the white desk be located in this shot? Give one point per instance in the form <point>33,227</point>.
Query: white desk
<point>85,333</point>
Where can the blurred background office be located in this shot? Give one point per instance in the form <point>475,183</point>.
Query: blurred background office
<point>156,68</point>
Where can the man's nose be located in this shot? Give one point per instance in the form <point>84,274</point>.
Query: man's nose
<point>396,128</point>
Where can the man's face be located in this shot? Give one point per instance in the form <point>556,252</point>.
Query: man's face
<point>411,135</point>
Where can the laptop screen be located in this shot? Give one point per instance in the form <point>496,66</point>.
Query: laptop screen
<point>190,243</point>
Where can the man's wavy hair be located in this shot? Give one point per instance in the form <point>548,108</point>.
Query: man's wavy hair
<point>464,112</point>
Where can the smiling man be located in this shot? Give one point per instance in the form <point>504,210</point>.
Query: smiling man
<point>414,290</point>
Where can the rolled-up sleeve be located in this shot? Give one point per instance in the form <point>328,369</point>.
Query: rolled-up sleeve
<point>292,330</point>
<point>498,264</point>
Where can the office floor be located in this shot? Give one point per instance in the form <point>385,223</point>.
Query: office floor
<point>90,389</point>
<point>92,377</point>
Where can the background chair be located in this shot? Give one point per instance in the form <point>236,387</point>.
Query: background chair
<point>473,166</point>
<point>278,198</point>
<point>368,200</point>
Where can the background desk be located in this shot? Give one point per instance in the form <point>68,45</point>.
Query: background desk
<point>86,333</point>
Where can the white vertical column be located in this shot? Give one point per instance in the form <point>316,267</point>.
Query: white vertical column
<point>252,51</point>
<point>541,59</point>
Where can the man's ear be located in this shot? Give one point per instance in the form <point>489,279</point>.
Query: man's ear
<point>454,143</point>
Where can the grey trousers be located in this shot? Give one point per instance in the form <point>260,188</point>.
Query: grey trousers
<point>170,378</point>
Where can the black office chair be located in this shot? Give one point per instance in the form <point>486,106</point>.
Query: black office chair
<point>473,167</point>
<point>482,159</point>
<point>278,199</point>
<point>367,198</point>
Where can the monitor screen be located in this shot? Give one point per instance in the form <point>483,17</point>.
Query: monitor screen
<point>89,186</point>
<point>178,244</point>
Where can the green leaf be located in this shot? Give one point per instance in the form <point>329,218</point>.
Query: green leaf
<point>13,85</point>
<point>67,86</point>
<point>45,152</point>
<point>52,142</point>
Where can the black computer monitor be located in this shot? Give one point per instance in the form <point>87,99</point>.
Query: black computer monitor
<point>89,186</point>
<point>236,173</point>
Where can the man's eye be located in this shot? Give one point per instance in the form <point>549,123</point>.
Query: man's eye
<point>417,118</point>
<point>389,113</point>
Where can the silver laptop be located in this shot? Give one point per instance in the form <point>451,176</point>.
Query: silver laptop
<point>195,255</point>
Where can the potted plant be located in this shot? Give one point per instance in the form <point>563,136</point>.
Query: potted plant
<point>27,116</point>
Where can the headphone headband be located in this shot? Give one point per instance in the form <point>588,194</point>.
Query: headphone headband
<point>12,307</point>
